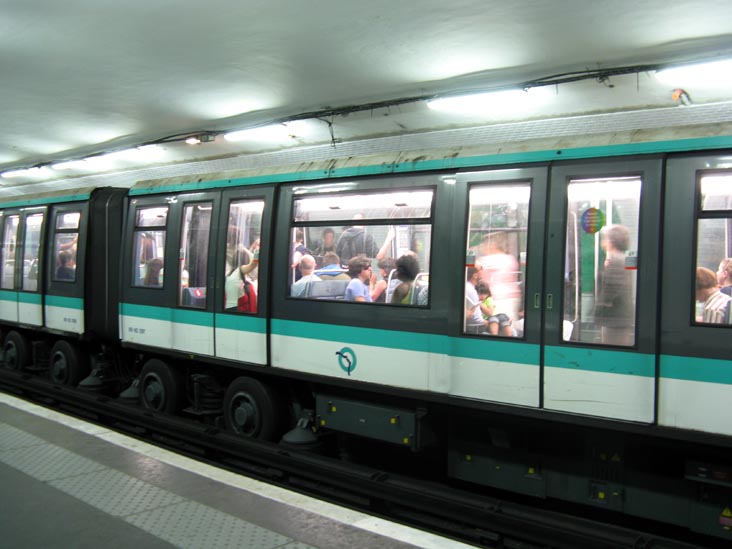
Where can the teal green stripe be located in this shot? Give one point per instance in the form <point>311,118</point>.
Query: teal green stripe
<point>486,349</point>
<point>363,336</point>
<point>496,349</point>
<point>703,143</point>
<point>25,297</point>
<point>42,201</point>
<point>241,323</point>
<point>600,360</point>
<point>9,295</point>
<point>65,302</point>
<point>180,316</point>
<point>696,369</point>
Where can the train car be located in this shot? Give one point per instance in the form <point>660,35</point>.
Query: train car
<point>520,322</point>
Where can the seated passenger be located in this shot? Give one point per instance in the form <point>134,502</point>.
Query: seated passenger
<point>307,266</point>
<point>497,322</point>
<point>378,288</point>
<point>332,268</point>
<point>474,321</point>
<point>65,270</point>
<point>359,268</point>
<point>716,304</point>
<point>407,269</point>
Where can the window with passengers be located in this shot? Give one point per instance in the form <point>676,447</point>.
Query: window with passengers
<point>494,274</point>
<point>149,246</point>
<point>713,287</point>
<point>364,247</point>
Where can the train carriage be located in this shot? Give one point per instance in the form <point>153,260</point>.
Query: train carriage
<point>602,383</point>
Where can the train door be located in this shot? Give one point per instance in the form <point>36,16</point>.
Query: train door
<point>601,285</point>
<point>64,306</point>
<point>242,264</point>
<point>695,386</point>
<point>496,355</point>
<point>166,298</point>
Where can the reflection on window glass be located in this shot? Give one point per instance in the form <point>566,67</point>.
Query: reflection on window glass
<point>148,248</point>
<point>497,232</point>
<point>10,236</point>
<point>242,256</point>
<point>194,255</point>
<point>713,281</point>
<point>362,247</point>
<point>68,220</point>
<point>601,261</point>
<point>31,251</point>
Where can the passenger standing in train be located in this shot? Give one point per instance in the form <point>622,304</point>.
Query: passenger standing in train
<point>240,263</point>
<point>716,304</point>
<point>407,269</point>
<point>307,266</point>
<point>355,241</point>
<point>327,244</point>
<point>724,276</point>
<point>614,310</point>
<point>500,270</point>
<point>65,270</point>
<point>359,268</point>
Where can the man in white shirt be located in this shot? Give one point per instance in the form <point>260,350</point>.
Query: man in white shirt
<point>307,266</point>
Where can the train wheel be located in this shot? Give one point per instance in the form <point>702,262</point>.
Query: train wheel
<point>17,351</point>
<point>68,364</point>
<point>161,387</point>
<point>253,409</point>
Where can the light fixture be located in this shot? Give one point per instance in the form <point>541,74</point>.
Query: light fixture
<point>69,165</point>
<point>496,102</point>
<point>272,132</point>
<point>711,74</point>
<point>200,138</point>
<point>25,172</point>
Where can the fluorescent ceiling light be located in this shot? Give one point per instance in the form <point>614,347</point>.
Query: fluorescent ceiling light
<point>28,172</point>
<point>497,102</point>
<point>273,132</point>
<point>70,165</point>
<point>711,75</point>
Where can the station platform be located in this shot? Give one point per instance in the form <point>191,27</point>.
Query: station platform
<point>68,483</point>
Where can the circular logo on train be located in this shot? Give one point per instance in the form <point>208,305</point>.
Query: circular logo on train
<point>346,359</point>
<point>592,220</point>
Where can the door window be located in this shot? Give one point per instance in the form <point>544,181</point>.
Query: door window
<point>65,242</point>
<point>600,263</point>
<point>713,280</point>
<point>241,272</point>
<point>149,246</point>
<point>31,251</point>
<point>10,238</point>
<point>494,276</point>
<point>193,260</point>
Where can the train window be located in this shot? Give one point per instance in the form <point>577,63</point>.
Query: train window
<point>65,241</point>
<point>362,247</point>
<point>497,233</point>
<point>10,237</point>
<point>31,249</point>
<point>195,234</point>
<point>149,247</point>
<point>713,281</point>
<point>600,277</point>
<point>241,273</point>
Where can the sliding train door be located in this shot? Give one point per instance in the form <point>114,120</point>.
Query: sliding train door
<point>496,354</point>
<point>695,386</point>
<point>241,280</point>
<point>600,300</point>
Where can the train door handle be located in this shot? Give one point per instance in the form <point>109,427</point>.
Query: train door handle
<point>537,301</point>
<point>549,301</point>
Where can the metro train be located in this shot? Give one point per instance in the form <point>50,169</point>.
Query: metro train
<point>607,384</point>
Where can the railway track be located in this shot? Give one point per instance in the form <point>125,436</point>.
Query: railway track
<point>481,520</point>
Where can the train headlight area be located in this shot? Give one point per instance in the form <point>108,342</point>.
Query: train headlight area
<point>326,314</point>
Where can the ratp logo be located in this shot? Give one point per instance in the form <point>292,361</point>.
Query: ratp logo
<point>346,359</point>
